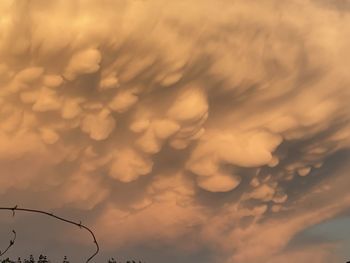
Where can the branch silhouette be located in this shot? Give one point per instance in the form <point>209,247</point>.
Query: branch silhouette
<point>12,242</point>
<point>80,225</point>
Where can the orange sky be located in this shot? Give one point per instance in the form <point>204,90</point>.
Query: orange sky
<point>218,129</point>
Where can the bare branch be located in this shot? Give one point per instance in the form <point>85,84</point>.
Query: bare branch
<point>12,242</point>
<point>80,225</point>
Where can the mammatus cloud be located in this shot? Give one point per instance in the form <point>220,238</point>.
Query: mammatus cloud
<point>191,123</point>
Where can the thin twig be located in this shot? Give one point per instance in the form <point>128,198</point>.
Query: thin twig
<point>80,225</point>
<point>12,242</point>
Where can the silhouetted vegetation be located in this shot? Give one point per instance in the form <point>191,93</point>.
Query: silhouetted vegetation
<point>44,259</point>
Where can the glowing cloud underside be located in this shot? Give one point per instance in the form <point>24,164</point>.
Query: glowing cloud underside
<point>180,102</point>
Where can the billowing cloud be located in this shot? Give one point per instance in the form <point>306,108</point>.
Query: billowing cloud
<point>190,123</point>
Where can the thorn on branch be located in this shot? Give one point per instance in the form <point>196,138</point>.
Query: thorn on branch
<point>13,210</point>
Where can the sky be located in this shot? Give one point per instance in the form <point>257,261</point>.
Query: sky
<point>179,131</point>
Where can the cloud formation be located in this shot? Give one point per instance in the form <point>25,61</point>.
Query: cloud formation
<point>190,123</point>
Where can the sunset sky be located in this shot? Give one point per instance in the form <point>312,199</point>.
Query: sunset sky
<point>180,131</point>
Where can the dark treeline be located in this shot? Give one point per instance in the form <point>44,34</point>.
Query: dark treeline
<point>44,259</point>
